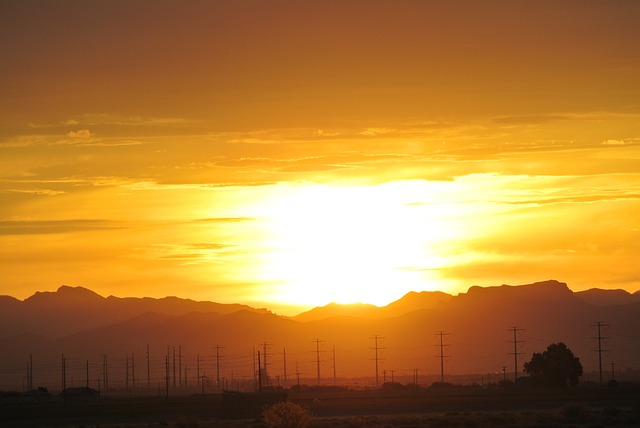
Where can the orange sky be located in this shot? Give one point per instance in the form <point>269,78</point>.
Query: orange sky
<point>301,152</point>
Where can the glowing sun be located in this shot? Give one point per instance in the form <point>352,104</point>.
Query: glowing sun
<point>343,244</point>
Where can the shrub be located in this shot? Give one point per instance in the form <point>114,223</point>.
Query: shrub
<point>575,413</point>
<point>286,415</point>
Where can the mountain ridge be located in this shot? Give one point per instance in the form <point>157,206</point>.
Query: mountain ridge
<point>478,326</point>
<point>83,302</point>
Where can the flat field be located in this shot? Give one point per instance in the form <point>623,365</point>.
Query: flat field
<point>455,407</point>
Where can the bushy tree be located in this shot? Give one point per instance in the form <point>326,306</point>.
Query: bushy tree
<point>555,368</point>
<point>286,415</point>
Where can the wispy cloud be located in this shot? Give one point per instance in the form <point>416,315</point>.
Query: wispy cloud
<point>81,133</point>
<point>45,227</point>
<point>225,219</point>
<point>120,120</point>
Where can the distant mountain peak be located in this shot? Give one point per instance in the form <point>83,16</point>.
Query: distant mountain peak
<point>334,309</point>
<point>599,297</point>
<point>77,291</point>
<point>549,289</point>
<point>64,293</point>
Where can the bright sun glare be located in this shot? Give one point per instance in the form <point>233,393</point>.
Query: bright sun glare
<point>342,244</point>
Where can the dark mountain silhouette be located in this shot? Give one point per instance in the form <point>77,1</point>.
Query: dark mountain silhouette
<point>478,332</point>
<point>599,297</point>
<point>73,309</point>
<point>409,302</point>
<point>336,309</point>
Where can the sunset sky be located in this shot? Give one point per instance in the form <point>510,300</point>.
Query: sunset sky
<point>284,153</point>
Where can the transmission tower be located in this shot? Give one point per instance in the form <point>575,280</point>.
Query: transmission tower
<point>148,368</point>
<point>599,325</point>
<point>105,371</point>
<point>317,342</point>
<point>442,356</point>
<point>334,365</point>
<point>284,365</point>
<point>265,347</point>
<point>515,352</point>
<point>376,348</point>
<point>218,347</point>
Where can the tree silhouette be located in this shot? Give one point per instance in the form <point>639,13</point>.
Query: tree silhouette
<point>555,367</point>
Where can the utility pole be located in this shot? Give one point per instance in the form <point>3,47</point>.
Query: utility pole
<point>298,374</point>
<point>317,341</point>
<point>87,373</point>
<point>64,374</point>
<point>515,352</point>
<point>105,372</point>
<point>334,365</point>
<point>442,356</point>
<point>30,373</point>
<point>148,368</point>
<point>166,373</point>
<point>284,365</point>
<point>599,325</point>
<point>174,366</point>
<point>198,369</point>
<point>126,371</point>
<point>613,372</point>
<point>265,346</point>
<point>180,365</point>
<point>259,373</point>
<point>133,372</point>
<point>255,373</point>
<point>375,338</point>
<point>218,365</point>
